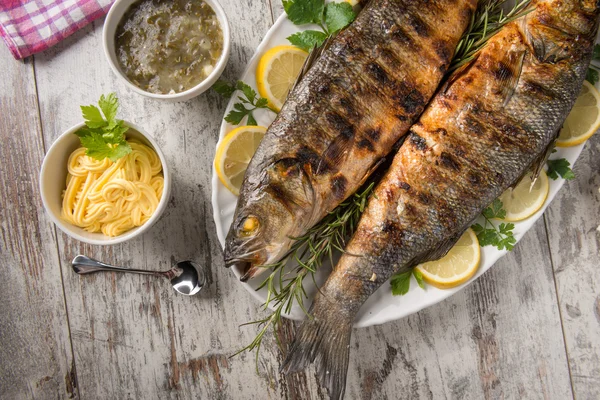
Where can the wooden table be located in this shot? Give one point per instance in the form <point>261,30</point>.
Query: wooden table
<point>529,328</point>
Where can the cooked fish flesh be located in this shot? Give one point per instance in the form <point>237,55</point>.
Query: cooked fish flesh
<point>359,97</point>
<point>482,131</point>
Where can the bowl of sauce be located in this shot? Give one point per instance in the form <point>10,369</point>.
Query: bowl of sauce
<point>167,49</point>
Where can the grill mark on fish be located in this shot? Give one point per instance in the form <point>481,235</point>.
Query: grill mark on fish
<point>401,37</point>
<point>417,24</point>
<point>412,102</point>
<point>338,186</point>
<point>535,89</point>
<point>366,144</point>
<point>374,134</point>
<point>377,72</point>
<point>417,141</point>
<point>307,156</point>
<point>503,72</point>
<point>366,87</point>
<point>449,162</point>
<point>404,185</point>
<point>443,50</point>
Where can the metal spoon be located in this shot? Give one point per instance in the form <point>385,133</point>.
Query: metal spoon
<point>185,277</point>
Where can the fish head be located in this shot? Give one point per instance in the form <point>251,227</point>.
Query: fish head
<point>269,214</point>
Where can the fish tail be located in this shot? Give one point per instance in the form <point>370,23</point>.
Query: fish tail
<point>324,340</point>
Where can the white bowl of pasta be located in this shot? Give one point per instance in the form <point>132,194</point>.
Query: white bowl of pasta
<point>104,202</point>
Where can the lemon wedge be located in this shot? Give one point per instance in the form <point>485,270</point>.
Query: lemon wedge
<point>584,118</point>
<point>525,200</point>
<point>456,267</point>
<point>277,71</point>
<point>234,154</point>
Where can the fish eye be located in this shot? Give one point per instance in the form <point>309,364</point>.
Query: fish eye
<point>249,226</point>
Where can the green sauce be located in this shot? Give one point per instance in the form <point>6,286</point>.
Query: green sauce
<point>168,46</point>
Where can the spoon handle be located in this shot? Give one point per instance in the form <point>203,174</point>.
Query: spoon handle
<point>86,265</point>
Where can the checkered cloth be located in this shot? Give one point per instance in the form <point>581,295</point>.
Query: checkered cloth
<point>30,26</point>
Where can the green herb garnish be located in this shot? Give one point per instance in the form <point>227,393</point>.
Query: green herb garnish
<point>307,253</point>
<point>488,19</point>
<point>502,236</point>
<point>560,167</point>
<point>104,136</point>
<point>330,17</point>
<point>250,101</point>
<point>592,75</point>
<point>401,282</point>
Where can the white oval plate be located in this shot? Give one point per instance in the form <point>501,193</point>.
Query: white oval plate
<point>382,306</point>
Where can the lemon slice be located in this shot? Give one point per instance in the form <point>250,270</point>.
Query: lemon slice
<point>525,200</point>
<point>234,154</point>
<point>277,71</point>
<point>584,118</point>
<point>456,267</point>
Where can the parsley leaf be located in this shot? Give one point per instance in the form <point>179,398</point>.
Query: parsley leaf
<point>92,117</point>
<point>302,12</point>
<point>592,76</point>
<point>401,283</point>
<point>502,236</point>
<point>560,167</point>
<point>331,18</point>
<point>495,210</point>
<point>419,277</point>
<point>307,40</point>
<point>98,148</point>
<point>249,101</point>
<point>338,16</point>
<point>225,89</point>
<point>104,136</point>
<point>109,106</point>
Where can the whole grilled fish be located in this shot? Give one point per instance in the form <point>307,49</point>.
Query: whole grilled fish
<point>360,96</point>
<point>479,135</point>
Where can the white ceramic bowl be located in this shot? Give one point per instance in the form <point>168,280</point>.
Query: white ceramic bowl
<point>53,180</point>
<point>113,18</point>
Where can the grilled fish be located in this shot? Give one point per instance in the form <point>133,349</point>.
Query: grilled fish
<point>359,97</point>
<point>482,131</point>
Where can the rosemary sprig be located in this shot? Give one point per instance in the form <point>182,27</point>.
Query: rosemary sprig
<point>486,21</point>
<point>307,253</point>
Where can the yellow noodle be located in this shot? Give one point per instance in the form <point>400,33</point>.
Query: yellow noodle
<point>112,197</point>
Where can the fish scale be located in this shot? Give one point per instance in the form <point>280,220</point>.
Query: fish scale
<point>485,128</point>
<point>357,99</point>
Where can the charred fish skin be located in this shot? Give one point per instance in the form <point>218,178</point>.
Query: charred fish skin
<point>359,97</point>
<point>479,135</point>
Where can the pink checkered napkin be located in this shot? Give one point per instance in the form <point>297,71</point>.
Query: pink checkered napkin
<point>30,26</point>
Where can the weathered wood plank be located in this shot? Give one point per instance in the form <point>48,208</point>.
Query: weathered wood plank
<point>573,222</point>
<point>35,349</point>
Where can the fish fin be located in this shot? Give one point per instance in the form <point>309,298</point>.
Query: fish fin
<point>511,74</point>
<point>335,154</point>
<point>458,73</point>
<point>314,54</point>
<point>323,339</point>
<point>538,164</point>
<point>439,252</point>
<point>251,273</point>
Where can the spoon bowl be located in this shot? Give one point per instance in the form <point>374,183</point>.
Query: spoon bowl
<point>186,277</point>
<point>188,282</point>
